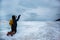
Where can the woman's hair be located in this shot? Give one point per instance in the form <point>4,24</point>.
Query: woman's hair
<point>13,17</point>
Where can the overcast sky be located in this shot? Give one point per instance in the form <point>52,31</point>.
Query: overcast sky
<point>30,10</point>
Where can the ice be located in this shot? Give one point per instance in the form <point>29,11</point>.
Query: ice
<point>32,30</point>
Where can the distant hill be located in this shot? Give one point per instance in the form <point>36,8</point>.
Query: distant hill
<point>58,20</point>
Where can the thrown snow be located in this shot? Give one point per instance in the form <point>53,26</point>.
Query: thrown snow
<point>32,30</point>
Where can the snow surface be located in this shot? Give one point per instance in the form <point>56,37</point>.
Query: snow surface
<point>32,30</point>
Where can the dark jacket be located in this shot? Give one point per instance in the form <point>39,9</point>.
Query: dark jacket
<point>14,25</point>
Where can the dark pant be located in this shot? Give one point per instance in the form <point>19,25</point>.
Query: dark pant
<point>13,29</point>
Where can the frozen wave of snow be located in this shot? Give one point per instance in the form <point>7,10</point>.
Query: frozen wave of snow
<point>32,30</point>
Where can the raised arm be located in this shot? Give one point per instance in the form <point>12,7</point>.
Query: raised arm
<point>18,18</point>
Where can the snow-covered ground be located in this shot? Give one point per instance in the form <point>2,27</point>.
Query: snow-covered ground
<point>32,30</point>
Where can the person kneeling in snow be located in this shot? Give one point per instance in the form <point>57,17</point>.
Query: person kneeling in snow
<point>13,24</point>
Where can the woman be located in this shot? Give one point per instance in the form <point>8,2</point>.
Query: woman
<point>13,24</point>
